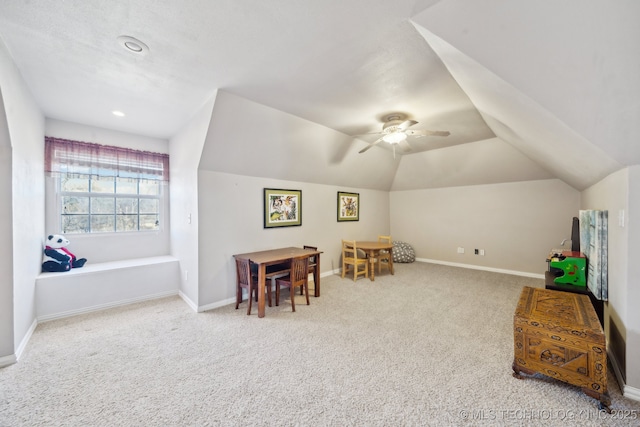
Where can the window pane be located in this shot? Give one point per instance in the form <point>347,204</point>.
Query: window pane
<point>102,223</point>
<point>126,206</point>
<point>77,185</point>
<point>126,186</point>
<point>109,204</point>
<point>75,205</point>
<point>103,184</point>
<point>75,224</point>
<point>149,206</point>
<point>103,205</point>
<point>149,222</point>
<point>127,223</point>
<point>150,188</point>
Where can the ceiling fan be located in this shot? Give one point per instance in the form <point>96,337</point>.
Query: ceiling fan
<point>396,130</point>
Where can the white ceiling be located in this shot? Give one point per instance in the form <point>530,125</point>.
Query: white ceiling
<point>536,89</point>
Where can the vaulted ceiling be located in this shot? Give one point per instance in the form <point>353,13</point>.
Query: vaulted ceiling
<point>528,90</point>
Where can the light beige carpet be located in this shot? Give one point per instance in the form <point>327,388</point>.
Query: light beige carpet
<point>431,345</point>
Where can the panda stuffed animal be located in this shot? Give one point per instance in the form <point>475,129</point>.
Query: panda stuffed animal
<point>57,257</point>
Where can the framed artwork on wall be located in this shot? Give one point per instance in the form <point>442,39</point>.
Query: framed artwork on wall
<point>282,208</point>
<point>594,233</point>
<point>348,206</point>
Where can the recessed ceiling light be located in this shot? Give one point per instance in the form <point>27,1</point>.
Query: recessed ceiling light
<point>133,45</point>
<point>117,113</point>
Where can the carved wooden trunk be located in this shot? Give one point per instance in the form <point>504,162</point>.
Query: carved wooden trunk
<point>558,334</point>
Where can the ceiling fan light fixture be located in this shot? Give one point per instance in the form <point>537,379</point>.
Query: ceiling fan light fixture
<point>394,137</point>
<point>395,132</point>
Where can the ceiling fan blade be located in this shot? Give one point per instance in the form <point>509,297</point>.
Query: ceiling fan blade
<point>407,123</point>
<point>370,145</point>
<point>439,132</point>
<point>365,134</point>
<point>406,148</point>
<point>424,132</point>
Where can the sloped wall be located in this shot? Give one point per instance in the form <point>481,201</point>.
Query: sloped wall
<point>247,138</point>
<point>572,58</point>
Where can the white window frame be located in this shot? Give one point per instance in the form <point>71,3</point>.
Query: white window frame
<point>60,194</point>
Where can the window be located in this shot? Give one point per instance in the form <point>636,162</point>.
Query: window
<point>108,204</point>
<point>104,189</point>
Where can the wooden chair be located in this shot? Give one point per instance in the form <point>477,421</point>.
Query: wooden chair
<point>298,277</point>
<point>350,257</point>
<point>272,273</point>
<point>384,257</point>
<point>249,281</point>
<point>312,265</point>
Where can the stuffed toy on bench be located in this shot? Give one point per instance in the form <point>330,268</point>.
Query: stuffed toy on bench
<point>57,257</point>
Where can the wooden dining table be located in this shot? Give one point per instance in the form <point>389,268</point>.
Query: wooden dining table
<point>272,257</point>
<point>372,249</point>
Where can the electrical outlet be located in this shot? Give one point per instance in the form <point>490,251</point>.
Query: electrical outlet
<point>460,250</point>
<point>476,251</point>
<point>481,252</point>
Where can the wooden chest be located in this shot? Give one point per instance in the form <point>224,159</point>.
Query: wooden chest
<point>558,334</point>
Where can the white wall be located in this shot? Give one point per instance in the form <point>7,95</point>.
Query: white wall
<point>517,224</point>
<point>612,194</point>
<point>108,246</point>
<point>633,289</point>
<point>231,222</point>
<point>185,153</point>
<point>84,133</point>
<point>26,131</point>
<point>6,254</point>
<point>618,192</point>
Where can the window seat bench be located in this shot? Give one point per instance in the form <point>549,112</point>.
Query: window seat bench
<point>104,285</point>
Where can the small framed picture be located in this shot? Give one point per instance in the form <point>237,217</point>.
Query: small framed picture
<point>348,206</point>
<point>282,208</point>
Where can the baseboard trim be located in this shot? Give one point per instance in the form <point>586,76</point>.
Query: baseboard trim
<point>13,358</point>
<point>228,301</point>
<point>188,301</point>
<point>616,369</point>
<point>106,306</point>
<point>627,391</point>
<point>631,393</point>
<point>25,339</point>
<point>216,304</point>
<point>479,267</point>
<point>8,360</point>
